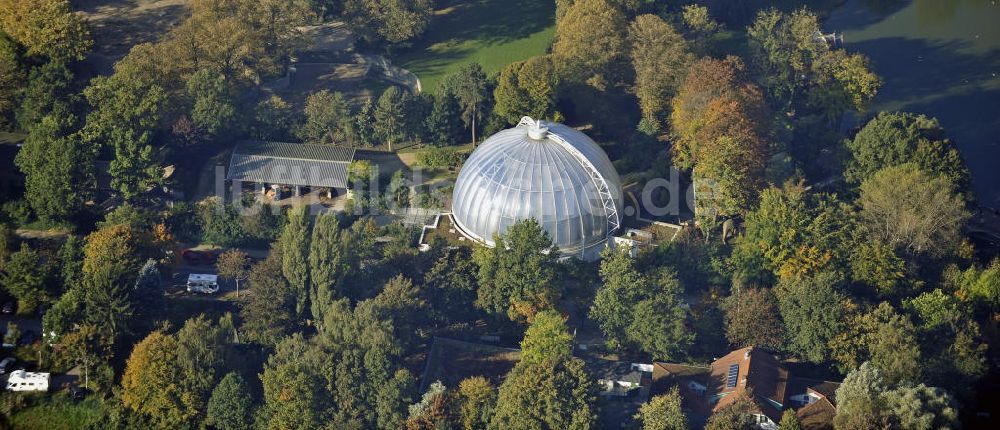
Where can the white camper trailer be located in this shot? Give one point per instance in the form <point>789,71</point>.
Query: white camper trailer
<point>204,284</point>
<point>19,380</point>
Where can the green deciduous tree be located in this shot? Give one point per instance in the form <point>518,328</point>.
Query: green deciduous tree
<point>663,412</point>
<point>65,313</point>
<point>6,243</point>
<point>234,264</point>
<point>659,325</point>
<point>547,338</point>
<point>70,259</point>
<point>85,347</point>
<point>12,75</point>
<point>127,109</point>
<point>135,168</point>
<point>518,275</point>
<point>922,407</point>
<point>200,357</point>
<point>328,264</point>
<point>391,21</point>
<point>213,110</point>
<point>451,286</point>
<point>268,315</point>
<point>46,27</point>
<point>48,92</point>
<point>402,301</point>
<point>789,421</point>
<point>590,43</point>
<point>635,310</point>
<point>950,341</point>
<point>231,404</point>
<point>113,257</point>
<point>476,399</point>
<point>980,284</point>
<point>735,416</point>
<point>843,82</point>
<point>23,276</point>
<point>894,138</point>
<point>661,58</point>
<point>812,309</point>
<point>623,285</point>
<point>860,401</point>
<point>328,119</point>
<point>293,386</point>
<point>390,117</point>
<point>56,167</point>
<point>912,210</point>
<point>885,338</point>
<point>551,394</point>
<point>294,243</point>
<point>368,389</point>
<point>866,400</point>
<point>527,88</point>
<point>783,48</point>
<point>699,27</point>
<point>273,119</point>
<point>792,233</point>
<point>878,265</point>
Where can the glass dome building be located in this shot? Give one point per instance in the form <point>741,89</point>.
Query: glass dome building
<point>546,171</point>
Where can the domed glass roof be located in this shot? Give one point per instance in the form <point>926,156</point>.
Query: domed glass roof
<point>546,171</point>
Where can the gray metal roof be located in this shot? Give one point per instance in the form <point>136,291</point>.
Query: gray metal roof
<point>290,164</point>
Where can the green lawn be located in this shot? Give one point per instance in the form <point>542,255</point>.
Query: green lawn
<point>493,33</point>
<point>59,412</point>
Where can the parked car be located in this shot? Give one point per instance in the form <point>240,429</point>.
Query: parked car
<point>9,307</point>
<point>209,257</point>
<point>7,364</point>
<point>77,393</point>
<point>192,257</point>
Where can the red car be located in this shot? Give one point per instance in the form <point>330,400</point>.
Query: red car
<point>210,256</point>
<point>192,257</point>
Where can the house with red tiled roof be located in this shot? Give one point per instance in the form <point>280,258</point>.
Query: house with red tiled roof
<point>755,374</point>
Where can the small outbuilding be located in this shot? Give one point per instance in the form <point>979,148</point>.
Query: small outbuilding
<point>20,380</point>
<point>297,165</point>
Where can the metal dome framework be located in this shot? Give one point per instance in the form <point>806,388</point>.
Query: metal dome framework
<point>540,170</point>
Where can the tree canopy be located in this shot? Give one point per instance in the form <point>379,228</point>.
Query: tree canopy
<point>894,138</point>
<point>518,275</point>
<point>913,210</point>
<point>46,27</point>
<point>660,57</point>
<point>590,43</point>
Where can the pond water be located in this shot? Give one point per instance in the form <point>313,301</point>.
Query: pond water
<point>940,58</point>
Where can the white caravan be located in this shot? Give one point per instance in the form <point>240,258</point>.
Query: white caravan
<point>19,380</point>
<point>204,284</point>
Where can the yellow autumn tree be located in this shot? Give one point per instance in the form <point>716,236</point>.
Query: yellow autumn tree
<point>150,383</point>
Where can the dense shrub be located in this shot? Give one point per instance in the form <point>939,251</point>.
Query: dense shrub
<point>442,158</point>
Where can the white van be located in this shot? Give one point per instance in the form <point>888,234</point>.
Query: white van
<point>19,380</point>
<point>204,284</point>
